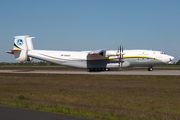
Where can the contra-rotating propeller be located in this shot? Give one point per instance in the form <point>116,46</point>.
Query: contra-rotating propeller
<point>121,57</point>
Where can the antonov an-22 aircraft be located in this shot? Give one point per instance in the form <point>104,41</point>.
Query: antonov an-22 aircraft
<point>102,59</point>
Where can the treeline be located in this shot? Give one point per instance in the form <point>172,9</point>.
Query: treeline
<point>31,63</point>
<point>177,63</point>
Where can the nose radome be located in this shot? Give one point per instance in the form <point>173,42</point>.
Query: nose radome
<point>171,58</point>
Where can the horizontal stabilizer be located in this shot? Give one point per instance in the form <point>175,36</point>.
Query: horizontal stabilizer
<point>15,50</point>
<point>12,51</point>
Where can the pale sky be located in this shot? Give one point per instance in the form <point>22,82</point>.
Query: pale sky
<point>91,24</point>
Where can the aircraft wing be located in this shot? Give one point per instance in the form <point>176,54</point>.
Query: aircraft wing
<point>96,52</point>
<point>97,57</point>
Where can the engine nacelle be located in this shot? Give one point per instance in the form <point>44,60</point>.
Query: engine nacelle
<point>110,53</point>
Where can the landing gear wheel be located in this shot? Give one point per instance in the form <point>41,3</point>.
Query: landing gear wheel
<point>92,69</point>
<point>150,69</point>
<point>107,69</point>
<point>99,69</point>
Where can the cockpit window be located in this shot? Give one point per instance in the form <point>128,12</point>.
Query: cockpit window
<point>163,53</point>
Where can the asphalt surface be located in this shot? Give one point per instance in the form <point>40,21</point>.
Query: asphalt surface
<point>12,113</point>
<point>120,72</point>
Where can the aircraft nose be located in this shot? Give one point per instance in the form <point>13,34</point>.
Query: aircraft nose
<point>171,58</point>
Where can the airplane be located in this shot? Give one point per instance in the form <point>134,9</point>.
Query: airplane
<point>97,60</point>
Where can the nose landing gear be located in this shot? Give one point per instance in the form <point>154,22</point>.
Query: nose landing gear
<point>150,68</point>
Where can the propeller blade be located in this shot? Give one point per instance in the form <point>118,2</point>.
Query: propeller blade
<point>119,54</point>
<point>122,56</point>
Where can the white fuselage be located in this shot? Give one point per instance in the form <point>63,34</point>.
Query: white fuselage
<point>131,58</point>
<point>101,59</point>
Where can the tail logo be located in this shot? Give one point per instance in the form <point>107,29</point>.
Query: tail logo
<point>20,42</point>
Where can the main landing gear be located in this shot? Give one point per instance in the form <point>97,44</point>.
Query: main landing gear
<point>99,69</point>
<point>150,68</point>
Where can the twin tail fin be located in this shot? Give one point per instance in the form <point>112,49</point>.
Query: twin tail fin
<point>22,44</point>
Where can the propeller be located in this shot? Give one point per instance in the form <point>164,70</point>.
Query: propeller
<point>121,57</point>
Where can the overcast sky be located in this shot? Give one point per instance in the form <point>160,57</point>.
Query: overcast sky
<point>91,24</point>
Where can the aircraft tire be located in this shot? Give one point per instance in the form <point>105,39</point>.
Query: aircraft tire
<point>99,69</point>
<point>107,69</point>
<point>150,69</point>
<point>91,69</point>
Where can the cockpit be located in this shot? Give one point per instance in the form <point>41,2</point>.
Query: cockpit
<point>162,53</point>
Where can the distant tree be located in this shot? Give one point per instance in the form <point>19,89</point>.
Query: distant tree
<point>21,63</point>
<point>52,64</point>
<point>42,63</point>
<point>178,62</point>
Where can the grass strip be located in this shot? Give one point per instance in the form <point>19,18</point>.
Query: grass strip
<point>94,96</point>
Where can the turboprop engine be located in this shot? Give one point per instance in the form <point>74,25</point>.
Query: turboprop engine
<point>120,55</point>
<point>110,53</point>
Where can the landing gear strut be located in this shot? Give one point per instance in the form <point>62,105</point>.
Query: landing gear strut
<point>150,69</point>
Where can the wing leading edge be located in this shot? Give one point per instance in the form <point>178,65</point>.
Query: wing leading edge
<point>96,52</point>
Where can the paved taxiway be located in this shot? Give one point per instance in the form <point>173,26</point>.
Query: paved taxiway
<point>12,113</point>
<point>122,72</point>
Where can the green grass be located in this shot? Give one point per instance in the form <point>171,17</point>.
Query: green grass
<point>95,96</point>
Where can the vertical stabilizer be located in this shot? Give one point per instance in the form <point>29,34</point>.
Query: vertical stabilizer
<point>29,43</point>
<point>20,48</point>
<point>20,43</point>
